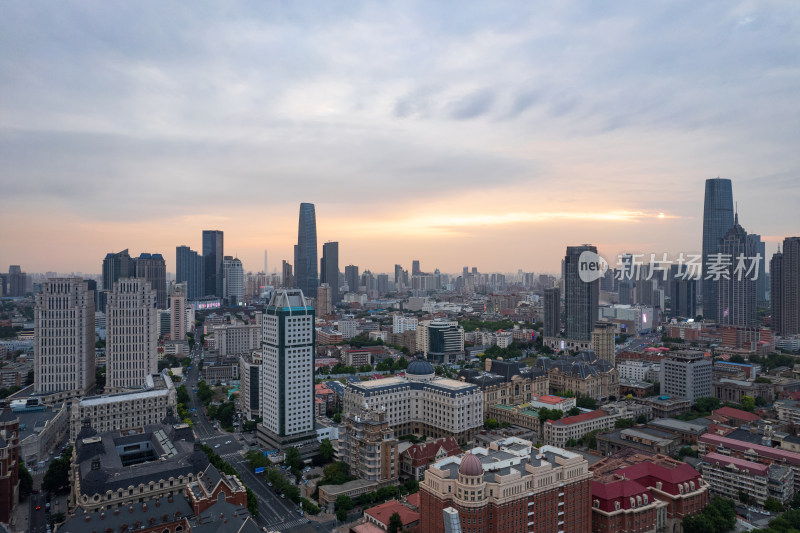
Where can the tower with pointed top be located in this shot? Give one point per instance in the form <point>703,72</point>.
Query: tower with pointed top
<point>736,295</point>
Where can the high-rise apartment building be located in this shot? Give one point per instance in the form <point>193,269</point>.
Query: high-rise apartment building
<point>686,374</point>
<point>115,266</point>
<point>213,252</point>
<point>581,298</point>
<point>177,307</point>
<point>604,341</point>
<point>189,269</point>
<point>233,280</point>
<point>736,292</point>
<point>717,220</point>
<point>63,356</point>
<point>324,299</point>
<point>785,283</point>
<point>415,271</point>
<point>16,281</point>
<point>761,282</point>
<point>329,269</point>
<point>266,270</point>
<point>369,446</point>
<point>552,312</point>
<point>287,372</point>
<point>287,278</point>
<point>351,277</point>
<point>131,334</point>
<point>305,251</point>
<point>153,268</point>
<point>398,276</point>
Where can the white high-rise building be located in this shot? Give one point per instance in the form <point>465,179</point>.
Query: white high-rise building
<point>401,324</point>
<point>63,356</point>
<point>287,371</point>
<point>131,334</point>
<point>233,280</point>
<point>686,374</point>
<point>177,306</point>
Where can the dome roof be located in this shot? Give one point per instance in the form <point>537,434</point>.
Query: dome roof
<point>420,368</point>
<point>470,465</point>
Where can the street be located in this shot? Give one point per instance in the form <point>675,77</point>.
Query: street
<point>275,513</point>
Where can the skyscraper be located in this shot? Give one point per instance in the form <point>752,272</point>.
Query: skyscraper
<point>329,271</point>
<point>581,299</point>
<point>604,341</point>
<point>398,277</point>
<point>287,278</point>
<point>189,268</point>
<point>415,271</point>
<point>324,299</point>
<point>717,219</point>
<point>785,272</point>
<point>266,271</point>
<point>115,266</point>
<point>287,371</point>
<point>153,268</point>
<point>736,292</point>
<point>351,277</point>
<point>233,280</point>
<point>16,281</point>
<point>305,251</point>
<point>177,314</point>
<point>761,283</point>
<point>552,312</point>
<point>683,292</point>
<point>63,354</point>
<point>213,251</point>
<point>131,334</point>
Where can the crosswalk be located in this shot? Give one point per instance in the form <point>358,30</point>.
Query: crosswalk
<point>285,526</point>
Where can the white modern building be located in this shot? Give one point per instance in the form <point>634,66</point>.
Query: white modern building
<point>239,338</point>
<point>635,369</point>
<point>287,372</point>
<point>131,334</point>
<point>63,354</point>
<point>686,374</point>
<point>401,324</point>
<point>233,280</point>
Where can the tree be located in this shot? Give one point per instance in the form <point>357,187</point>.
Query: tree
<point>395,523</point>
<point>56,479</point>
<point>749,403</point>
<point>571,443</point>
<point>491,423</point>
<point>25,482</point>
<point>411,486</point>
<point>183,395</point>
<point>773,505</point>
<point>326,450</point>
<point>252,502</point>
<point>293,458</point>
<point>337,418</point>
<point>641,419</point>
<point>341,515</point>
<point>706,405</point>
<point>574,411</point>
<point>586,402</point>
<point>623,423</point>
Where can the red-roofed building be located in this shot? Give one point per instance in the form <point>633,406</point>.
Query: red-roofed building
<point>558,432</point>
<point>730,476</point>
<point>640,493</point>
<point>413,501</point>
<point>733,417</point>
<point>380,515</point>
<point>326,396</point>
<point>415,460</point>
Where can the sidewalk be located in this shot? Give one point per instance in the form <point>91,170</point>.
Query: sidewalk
<point>21,517</point>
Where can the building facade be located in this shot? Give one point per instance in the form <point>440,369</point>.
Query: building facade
<point>604,341</point>
<point>232,280</point>
<point>369,447</point>
<point>329,270</point>
<point>131,334</point>
<point>213,252</point>
<point>250,385</point>
<point>153,268</point>
<point>189,269</point>
<point>63,357</point>
<point>581,299</point>
<point>737,290</point>
<point>717,220</point>
<point>686,374</point>
<point>305,251</point>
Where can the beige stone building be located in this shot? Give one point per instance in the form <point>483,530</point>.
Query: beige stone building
<point>604,341</point>
<point>507,382</point>
<point>368,445</point>
<point>584,374</point>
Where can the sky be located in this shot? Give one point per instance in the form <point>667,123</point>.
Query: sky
<point>485,134</point>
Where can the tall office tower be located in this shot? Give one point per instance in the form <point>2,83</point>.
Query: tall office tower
<point>686,374</point>
<point>684,293</point>
<point>189,269</point>
<point>115,266</point>
<point>382,283</point>
<point>736,292</point>
<point>581,299</point>
<point>63,354</point>
<point>287,279</point>
<point>415,271</point>
<point>351,277</point>
<point>717,220</point>
<point>776,291</point>
<point>153,268</point>
<point>131,334</point>
<point>398,276</point>
<point>552,312</point>
<point>368,280</point>
<point>287,371</point>
<point>604,341</point>
<point>177,313</point>
<point>324,296</point>
<point>266,270</point>
<point>233,280</point>
<point>626,292</point>
<point>16,281</point>
<point>761,283</point>
<point>329,273</point>
<point>305,251</point>
<point>3,282</point>
<point>213,251</point>
<point>785,272</point>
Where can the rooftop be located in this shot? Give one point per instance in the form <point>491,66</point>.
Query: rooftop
<point>384,511</point>
<point>577,419</point>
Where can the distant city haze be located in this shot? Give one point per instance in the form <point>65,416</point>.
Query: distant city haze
<point>456,134</point>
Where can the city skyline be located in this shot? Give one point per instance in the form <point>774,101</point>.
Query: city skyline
<point>418,131</point>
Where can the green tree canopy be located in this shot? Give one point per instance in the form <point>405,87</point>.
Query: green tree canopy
<point>395,523</point>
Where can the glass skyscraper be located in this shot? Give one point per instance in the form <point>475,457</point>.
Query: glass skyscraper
<point>581,299</point>
<point>189,269</point>
<point>306,277</point>
<point>329,269</point>
<point>717,220</point>
<point>212,263</point>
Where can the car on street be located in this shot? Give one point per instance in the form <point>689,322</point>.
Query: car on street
<point>227,442</point>
<point>217,446</point>
<point>38,507</point>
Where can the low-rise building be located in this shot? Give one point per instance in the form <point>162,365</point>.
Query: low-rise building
<point>733,417</point>
<point>210,486</point>
<point>666,406</point>
<point>559,432</point>
<point>635,370</point>
<point>507,382</point>
<point>126,410</point>
<point>584,374</point>
<point>788,410</point>
<point>688,432</point>
<point>381,514</point>
<point>638,438</point>
<point>733,390</point>
<point>41,430</point>
<point>730,477</point>
<point>352,489</point>
<point>417,458</point>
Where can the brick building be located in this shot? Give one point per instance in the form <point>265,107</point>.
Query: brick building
<point>416,459</point>
<point>9,457</point>
<point>510,486</point>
